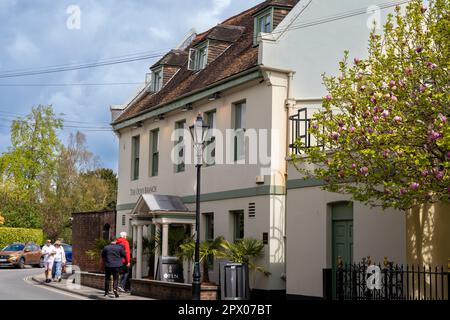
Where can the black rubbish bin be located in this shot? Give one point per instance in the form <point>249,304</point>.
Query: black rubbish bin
<point>234,282</point>
<point>169,269</point>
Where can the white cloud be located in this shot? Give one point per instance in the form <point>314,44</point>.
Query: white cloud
<point>22,48</point>
<point>6,5</point>
<point>160,34</point>
<point>208,17</point>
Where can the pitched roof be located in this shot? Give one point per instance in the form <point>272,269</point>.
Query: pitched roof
<point>239,57</point>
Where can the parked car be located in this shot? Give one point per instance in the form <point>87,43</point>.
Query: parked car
<point>68,252</point>
<point>20,254</point>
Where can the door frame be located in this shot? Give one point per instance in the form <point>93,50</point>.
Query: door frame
<point>337,216</point>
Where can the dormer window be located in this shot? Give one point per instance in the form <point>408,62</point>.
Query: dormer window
<point>157,80</point>
<point>198,57</point>
<point>263,23</point>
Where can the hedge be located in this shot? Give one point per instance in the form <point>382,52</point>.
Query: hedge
<point>9,235</point>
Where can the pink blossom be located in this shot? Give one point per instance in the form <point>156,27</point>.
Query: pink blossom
<point>370,130</point>
<point>434,135</point>
<point>385,113</point>
<point>403,191</point>
<point>408,71</point>
<point>431,65</point>
<point>423,88</point>
<point>352,130</point>
<point>328,97</point>
<point>439,175</point>
<point>394,98</point>
<point>392,83</point>
<point>423,9</point>
<point>398,119</point>
<point>364,170</point>
<point>362,88</point>
<point>357,61</point>
<point>354,166</point>
<point>376,118</point>
<point>425,173</point>
<point>373,99</point>
<point>386,154</point>
<point>387,96</point>
<point>419,49</point>
<point>414,186</point>
<point>442,117</point>
<point>334,135</point>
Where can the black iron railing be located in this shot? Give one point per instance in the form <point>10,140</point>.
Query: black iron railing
<point>300,131</point>
<point>395,282</point>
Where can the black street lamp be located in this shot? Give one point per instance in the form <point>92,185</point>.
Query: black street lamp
<point>199,133</point>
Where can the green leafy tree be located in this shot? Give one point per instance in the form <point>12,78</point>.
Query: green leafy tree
<point>384,124</point>
<point>73,187</point>
<point>23,168</point>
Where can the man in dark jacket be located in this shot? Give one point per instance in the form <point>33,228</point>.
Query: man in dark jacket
<point>112,256</point>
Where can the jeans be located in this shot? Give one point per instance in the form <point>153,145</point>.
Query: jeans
<point>57,267</point>
<point>124,278</point>
<point>114,272</point>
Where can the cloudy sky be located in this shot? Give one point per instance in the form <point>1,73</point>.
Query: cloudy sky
<point>42,33</point>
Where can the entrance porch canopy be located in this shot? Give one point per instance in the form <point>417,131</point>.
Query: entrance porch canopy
<point>161,211</point>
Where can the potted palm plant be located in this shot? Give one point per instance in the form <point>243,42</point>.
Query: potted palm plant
<point>208,250</point>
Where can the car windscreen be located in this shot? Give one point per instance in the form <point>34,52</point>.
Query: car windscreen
<point>14,247</point>
<point>67,248</point>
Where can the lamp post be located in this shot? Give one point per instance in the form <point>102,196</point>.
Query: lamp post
<point>199,132</point>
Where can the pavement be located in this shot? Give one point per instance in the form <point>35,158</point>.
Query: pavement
<point>67,285</point>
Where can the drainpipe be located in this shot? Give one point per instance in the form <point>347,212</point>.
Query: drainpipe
<point>290,103</point>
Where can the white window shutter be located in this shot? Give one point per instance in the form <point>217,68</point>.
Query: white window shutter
<point>191,63</point>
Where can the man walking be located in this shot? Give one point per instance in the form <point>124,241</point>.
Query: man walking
<point>126,261</point>
<point>48,251</point>
<point>112,256</point>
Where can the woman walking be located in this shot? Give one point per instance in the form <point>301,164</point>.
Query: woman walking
<point>60,260</point>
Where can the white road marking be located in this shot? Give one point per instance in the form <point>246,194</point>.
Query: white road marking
<point>30,281</point>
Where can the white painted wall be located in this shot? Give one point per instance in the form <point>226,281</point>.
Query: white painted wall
<point>376,233</point>
<point>317,49</point>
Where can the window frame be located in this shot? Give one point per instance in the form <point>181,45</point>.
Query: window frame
<point>239,129</point>
<point>238,217</point>
<point>182,166</point>
<point>211,138</point>
<point>154,152</point>
<point>135,161</point>
<point>257,23</point>
<point>157,86</point>
<point>195,62</point>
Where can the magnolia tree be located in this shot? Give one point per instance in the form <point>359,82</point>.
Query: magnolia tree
<point>384,125</point>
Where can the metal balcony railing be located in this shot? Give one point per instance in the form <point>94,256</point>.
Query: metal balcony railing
<point>300,131</point>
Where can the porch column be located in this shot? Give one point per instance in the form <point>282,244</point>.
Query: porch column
<point>139,253</point>
<point>165,237</point>
<point>133,247</point>
<point>157,244</point>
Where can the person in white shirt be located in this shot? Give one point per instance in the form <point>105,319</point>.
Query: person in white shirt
<point>60,260</point>
<point>48,252</point>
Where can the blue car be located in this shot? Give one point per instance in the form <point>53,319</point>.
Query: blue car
<point>68,252</point>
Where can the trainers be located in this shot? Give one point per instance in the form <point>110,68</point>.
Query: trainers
<point>121,289</point>
<point>116,293</point>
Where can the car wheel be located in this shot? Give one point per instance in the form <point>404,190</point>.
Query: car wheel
<point>21,263</point>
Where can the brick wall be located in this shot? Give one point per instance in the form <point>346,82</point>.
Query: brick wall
<point>87,227</point>
<point>170,291</point>
<point>92,280</point>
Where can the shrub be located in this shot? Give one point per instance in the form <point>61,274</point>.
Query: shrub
<point>9,235</point>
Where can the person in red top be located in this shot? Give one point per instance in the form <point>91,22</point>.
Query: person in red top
<point>126,261</point>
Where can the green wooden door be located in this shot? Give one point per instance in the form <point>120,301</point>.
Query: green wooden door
<point>342,236</point>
